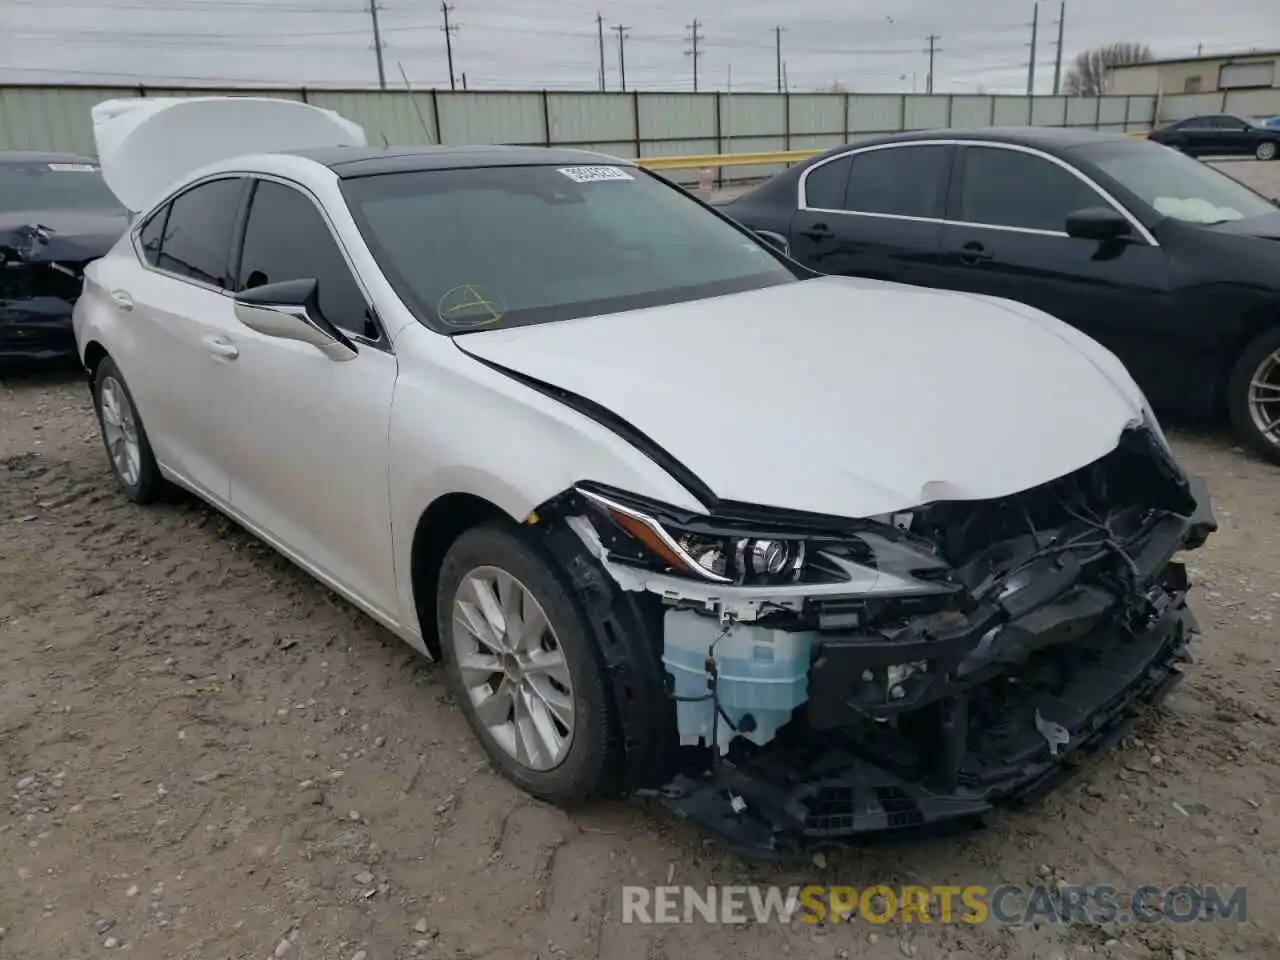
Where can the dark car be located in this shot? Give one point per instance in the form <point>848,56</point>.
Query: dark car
<point>1171,264</point>
<point>1220,134</point>
<point>56,215</point>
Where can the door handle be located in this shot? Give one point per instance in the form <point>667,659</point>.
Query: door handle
<point>819,231</point>
<point>122,299</point>
<point>973,253</point>
<point>220,346</point>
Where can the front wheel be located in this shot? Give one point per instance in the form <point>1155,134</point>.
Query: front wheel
<point>1266,150</point>
<point>1253,395</point>
<point>522,667</point>
<point>128,449</point>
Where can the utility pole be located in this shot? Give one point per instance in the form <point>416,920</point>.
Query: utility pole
<point>693,51</point>
<point>449,30</point>
<point>621,31</point>
<point>1057,66</point>
<point>933,38</point>
<point>600,33</point>
<point>777,48</point>
<point>377,44</point>
<point>1031,64</point>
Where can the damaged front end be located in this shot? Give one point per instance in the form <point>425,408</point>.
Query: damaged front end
<point>823,678</point>
<point>41,275</point>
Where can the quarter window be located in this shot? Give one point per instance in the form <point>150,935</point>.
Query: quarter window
<point>196,240</point>
<point>904,181</point>
<point>1008,188</point>
<point>151,234</point>
<point>824,186</point>
<point>286,238</point>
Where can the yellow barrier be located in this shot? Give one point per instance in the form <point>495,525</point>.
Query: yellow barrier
<point>745,159</point>
<point>726,159</point>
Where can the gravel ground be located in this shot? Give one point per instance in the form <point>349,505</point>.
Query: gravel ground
<point>206,754</point>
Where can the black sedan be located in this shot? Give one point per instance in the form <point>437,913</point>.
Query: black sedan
<point>1172,265</point>
<point>1220,134</point>
<point>56,215</point>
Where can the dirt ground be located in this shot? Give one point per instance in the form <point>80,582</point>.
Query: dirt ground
<point>206,754</point>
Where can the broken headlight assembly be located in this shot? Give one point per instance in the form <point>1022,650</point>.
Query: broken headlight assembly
<point>867,557</point>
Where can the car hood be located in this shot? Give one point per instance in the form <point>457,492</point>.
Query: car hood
<point>839,396</point>
<point>1265,227</point>
<point>67,236</point>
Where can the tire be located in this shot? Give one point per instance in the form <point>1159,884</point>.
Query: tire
<point>1266,151</point>
<point>118,419</point>
<point>591,760</point>
<point>1259,362</point>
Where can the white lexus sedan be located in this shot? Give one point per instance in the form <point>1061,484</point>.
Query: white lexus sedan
<point>804,556</point>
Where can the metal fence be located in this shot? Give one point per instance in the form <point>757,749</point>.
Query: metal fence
<point>638,124</point>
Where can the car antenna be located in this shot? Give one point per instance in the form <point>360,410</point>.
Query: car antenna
<point>426,131</point>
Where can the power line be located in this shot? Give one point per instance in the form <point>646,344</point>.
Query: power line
<point>933,38</point>
<point>600,42</point>
<point>621,31</point>
<point>377,44</point>
<point>693,52</point>
<point>1057,64</point>
<point>777,52</point>
<point>449,31</point>
<point>1031,64</point>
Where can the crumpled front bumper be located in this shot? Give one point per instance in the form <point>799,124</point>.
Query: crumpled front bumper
<point>36,328</point>
<point>1088,670</point>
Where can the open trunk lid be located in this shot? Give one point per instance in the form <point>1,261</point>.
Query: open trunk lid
<point>147,144</point>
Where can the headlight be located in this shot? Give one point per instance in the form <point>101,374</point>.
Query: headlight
<point>871,557</point>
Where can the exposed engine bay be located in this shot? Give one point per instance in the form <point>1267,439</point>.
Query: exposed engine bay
<point>825,678</point>
<point>41,275</point>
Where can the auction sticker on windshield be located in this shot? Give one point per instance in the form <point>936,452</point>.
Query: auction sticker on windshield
<point>594,174</point>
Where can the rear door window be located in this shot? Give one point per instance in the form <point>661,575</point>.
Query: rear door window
<point>197,235</point>
<point>825,184</point>
<point>904,181</point>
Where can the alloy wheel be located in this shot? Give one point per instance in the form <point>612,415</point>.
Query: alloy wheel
<point>513,668</point>
<point>120,430</point>
<point>1266,151</point>
<point>1264,398</point>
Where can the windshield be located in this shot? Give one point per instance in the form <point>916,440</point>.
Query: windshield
<point>1175,184</point>
<point>495,247</point>
<point>54,186</point>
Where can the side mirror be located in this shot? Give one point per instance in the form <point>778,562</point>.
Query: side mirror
<point>290,310</point>
<point>1097,223</point>
<point>775,240</point>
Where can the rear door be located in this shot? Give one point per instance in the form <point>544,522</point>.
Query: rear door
<point>180,310</point>
<point>875,212</point>
<point>1006,236</point>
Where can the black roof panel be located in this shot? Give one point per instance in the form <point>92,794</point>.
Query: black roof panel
<point>349,162</point>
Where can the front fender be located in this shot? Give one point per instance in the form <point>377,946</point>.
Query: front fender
<point>459,426</point>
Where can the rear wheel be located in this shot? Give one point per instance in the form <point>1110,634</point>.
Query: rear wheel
<point>123,435</point>
<point>1253,394</point>
<point>522,667</point>
<point>1266,150</point>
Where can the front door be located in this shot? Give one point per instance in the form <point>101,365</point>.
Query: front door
<point>1006,236</point>
<point>874,213</point>
<point>310,461</point>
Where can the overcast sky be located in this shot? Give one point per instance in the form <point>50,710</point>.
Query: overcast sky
<point>864,45</point>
